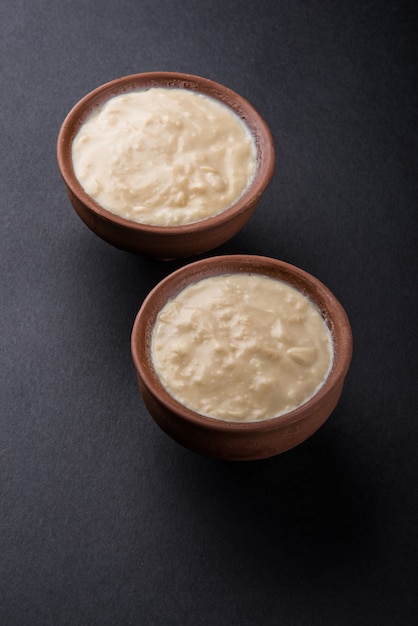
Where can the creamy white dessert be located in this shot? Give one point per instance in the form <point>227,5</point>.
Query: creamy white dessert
<point>164,156</point>
<point>241,347</point>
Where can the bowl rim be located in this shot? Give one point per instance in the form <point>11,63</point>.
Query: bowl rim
<point>258,128</point>
<point>330,308</point>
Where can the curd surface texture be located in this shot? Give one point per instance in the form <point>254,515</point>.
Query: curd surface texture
<point>241,347</point>
<point>164,156</point>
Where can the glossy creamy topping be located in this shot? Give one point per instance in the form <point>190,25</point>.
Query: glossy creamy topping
<point>241,347</point>
<point>164,156</point>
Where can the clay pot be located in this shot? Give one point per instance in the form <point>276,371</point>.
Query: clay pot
<point>166,242</point>
<point>234,440</point>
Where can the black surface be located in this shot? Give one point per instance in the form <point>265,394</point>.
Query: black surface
<point>105,520</point>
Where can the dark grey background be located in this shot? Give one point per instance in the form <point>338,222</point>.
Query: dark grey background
<point>104,520</point>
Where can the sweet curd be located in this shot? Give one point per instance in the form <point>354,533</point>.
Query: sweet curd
<point>241,347</point>
<point>164,156</point>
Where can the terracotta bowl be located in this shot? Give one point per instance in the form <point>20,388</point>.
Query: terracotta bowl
<point>159,241</point>
<point>238,440</point>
